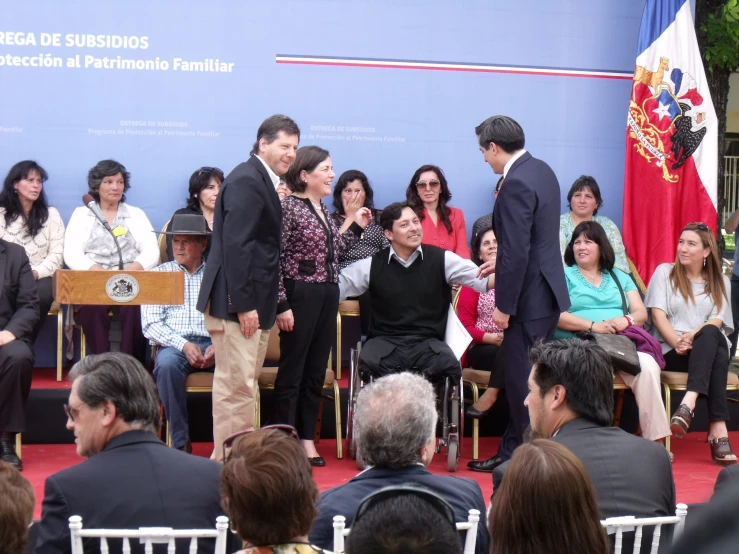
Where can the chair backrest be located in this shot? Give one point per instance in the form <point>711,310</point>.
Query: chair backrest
<point>149,536</point>
<point>470,538</point>
<point>626,524</point>
<point>163,244</point>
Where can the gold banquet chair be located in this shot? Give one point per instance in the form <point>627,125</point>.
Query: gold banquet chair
<point>267,381</point>
<point>347,308</point>
<point>678,381</point>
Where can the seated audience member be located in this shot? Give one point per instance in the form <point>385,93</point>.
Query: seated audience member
<point>203,189</point>
<point>395,434</point>
<point>547,505</point>
<point>597,307</point>
<point>130,478</point>
<point>179,330</point>
<point>410,292</point>
<point>584,200</point>
<point>714,529</point>
<point>404,519</point>
<point>692,318</point>
<point>571,401</point>
<point>352,192</point>
<point>27,219</point>
<point>90,246</point>
<point>18,317</point>
<point>731,226</point>
<point>267,490</point>
<point>443,226</point>
<point>283,191</point>
<point>475,311</point>
<point>17,501</point>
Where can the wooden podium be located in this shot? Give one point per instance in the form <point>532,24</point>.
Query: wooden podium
<point>118,288</point>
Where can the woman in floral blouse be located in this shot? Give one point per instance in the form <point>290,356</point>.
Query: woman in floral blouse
<point>475,312</point>
<point>268,492</point>
<point>26,219</point>
<point>309,290</point>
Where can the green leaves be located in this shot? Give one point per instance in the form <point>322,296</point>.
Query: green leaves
<point>722,34</point>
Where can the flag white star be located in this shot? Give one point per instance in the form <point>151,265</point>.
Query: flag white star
<point>662,111</point>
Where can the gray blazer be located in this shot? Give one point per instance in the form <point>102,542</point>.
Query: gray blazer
<point>632,476</point>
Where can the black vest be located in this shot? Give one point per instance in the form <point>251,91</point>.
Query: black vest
<point>409,301</point>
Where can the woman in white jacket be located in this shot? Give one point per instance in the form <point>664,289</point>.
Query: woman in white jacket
<point>89,246</point>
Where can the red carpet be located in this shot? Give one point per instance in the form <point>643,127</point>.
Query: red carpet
<point>693,470</point>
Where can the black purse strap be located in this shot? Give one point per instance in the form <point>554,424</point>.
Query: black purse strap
<point>621,290</point>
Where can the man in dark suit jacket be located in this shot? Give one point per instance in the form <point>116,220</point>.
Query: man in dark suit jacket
<point>130,479</point>
<point>18,317</point>
<point>239,290</point>
<point>571,402</point>
<point>727,477</point>
<point>401,406</point>
<point>530,288</point>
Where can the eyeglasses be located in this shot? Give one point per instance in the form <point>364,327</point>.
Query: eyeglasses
<point>287,429</point>
<point>71,412</point>
<point>408,489</point>
<point>433,183</point>
<point>698,225</point>
<point>207,170</point>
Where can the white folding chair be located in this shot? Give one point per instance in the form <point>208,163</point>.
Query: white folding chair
<point>626,524</point>
<point>149,536</point>
<point>470,538</point>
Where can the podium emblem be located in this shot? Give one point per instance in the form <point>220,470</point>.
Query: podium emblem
<point>122,288</point>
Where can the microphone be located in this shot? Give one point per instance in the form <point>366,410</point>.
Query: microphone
<point>89,201</point>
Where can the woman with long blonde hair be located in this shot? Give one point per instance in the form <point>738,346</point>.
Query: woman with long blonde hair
<point>692,319</point>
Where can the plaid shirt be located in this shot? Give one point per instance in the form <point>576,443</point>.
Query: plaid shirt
<point>169,325</point>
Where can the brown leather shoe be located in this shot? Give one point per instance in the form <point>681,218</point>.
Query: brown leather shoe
<point>721,450</point>
<point>681,420</point>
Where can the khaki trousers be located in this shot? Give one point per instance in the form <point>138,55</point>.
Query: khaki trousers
<point>238,364</point>
<point>647,389</point>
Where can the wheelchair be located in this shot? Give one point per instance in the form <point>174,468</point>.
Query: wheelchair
<point>450,405</point>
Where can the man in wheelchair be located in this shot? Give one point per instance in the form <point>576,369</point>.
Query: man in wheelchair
<point>410,289</point>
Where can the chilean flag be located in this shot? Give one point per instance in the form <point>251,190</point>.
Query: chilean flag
<point>671,139</point>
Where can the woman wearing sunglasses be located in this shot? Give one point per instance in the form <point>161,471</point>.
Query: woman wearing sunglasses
<point>202,193</point>
<point>692,319</point>
<point>268,492</point>
<point>443,226</point>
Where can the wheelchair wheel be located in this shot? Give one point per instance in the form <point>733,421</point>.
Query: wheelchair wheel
<point>453,446</point>
<point>355,384</point>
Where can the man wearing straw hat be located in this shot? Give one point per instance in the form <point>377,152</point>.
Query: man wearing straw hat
<point>179,330</point>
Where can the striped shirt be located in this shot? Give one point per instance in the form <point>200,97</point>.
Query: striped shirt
<point>170,325</point>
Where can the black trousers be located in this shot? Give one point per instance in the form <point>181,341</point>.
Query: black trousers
<point>518,338</point>
<point>483,358</point>
<point>45,300</point>
<point>382,356</point>
<point>735,312</point>
<point>304,355</point>
<point>16,367</point>
<point>707,365</point>
<point>95,322</point>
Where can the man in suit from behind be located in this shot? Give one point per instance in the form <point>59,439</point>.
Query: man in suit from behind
<point>530,288</point>
<point>130,479</point>
<point>395,433</point>
<point>18,317</point>
<point>238,294</point>
<point>570,401</point>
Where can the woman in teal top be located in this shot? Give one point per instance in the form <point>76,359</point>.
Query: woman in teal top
<point>597,307</point>
<point>584,200</point>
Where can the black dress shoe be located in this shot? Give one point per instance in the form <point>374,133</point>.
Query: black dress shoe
<point>474,413</point>
<point>8,454</point>
<point>486,466</point>
<point>318,461</point>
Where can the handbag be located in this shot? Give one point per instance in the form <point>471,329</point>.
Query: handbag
<point>620,348</point>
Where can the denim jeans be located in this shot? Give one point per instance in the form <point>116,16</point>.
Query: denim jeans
<point>170,371</point>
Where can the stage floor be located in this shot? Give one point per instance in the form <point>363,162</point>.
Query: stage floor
<point>693,470</point>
